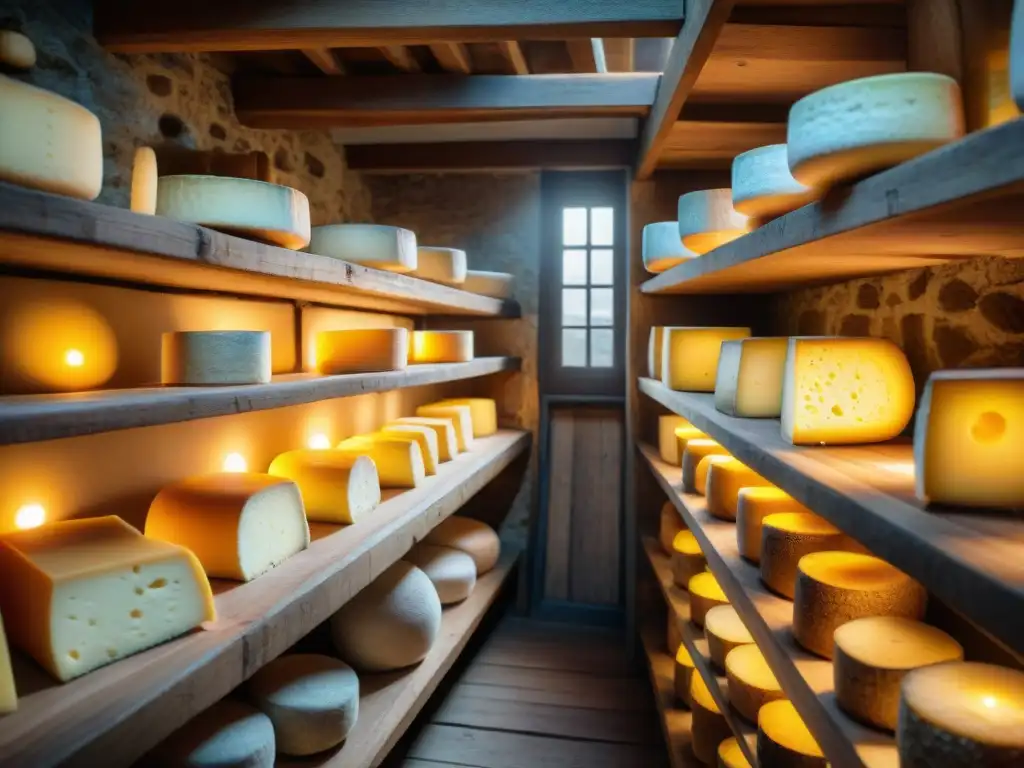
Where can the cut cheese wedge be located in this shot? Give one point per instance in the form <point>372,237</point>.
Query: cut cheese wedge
<point>79,594</point>
<point>8,693</point>
<point>451,571</point>
<point>752,683</point>
<point>16,50</point>
<point>476,539</point>
<point>710,728</point>
<point>444,428</point>
<point>425,436</point>
<point>392,249</point>
<point>144,181</point>
<point>707,220</point>
<point>696,451</point>
<point>336,486</point>
<point>788,536</point>
<point>362,350</point>
<point>669,525</point>
<point>748,382</point>
<point>700,480</point>
<point>763,187</point>
<point>230,734</point>
<point>215,358</point>
<point>440,265</point>
<point>398,457</point>
<point>783,741</point>
<point>753,505</point>
<point>730,755</point>
<point>497,285</point>
<point>683,672</point>
<point>705,593</point>
<point>844,390</point>
<point>689,356</point>
<point>239,524</point>
<point>669,429</point>
<point>687,559</point>
<point>724,630</point>
<point>483,412</point>
<point>461,417</point>
<point>833,588</point>
<point>662,247</point>
<point>725,480</point>
<point>967,438</point>
<point>873,655</point>
<point>441,347</point>
<point>654,341</point>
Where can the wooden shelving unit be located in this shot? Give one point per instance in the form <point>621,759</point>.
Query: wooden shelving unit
<point>675,722</point>
<point>115,714</point>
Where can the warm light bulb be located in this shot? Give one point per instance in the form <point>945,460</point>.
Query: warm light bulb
<point>30,516</point>
<point>74,358</point>
<point>235,462</point>
<point>989,701</point>
<point>319,442</point>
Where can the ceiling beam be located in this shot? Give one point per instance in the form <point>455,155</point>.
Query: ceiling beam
<point>862,14</point>
<point>325,60</point>
<point>513,54</point>
<point>232,25</point>
<point>400,57</point>
<point>582,55</point>
<point>491,156</point>
<point>453,57</point>
<point>618,53</point>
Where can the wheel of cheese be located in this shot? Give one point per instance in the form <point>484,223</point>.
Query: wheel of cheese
<point>670,525</point>
<point>962,715</point>
<point>833,588</point>
<point>673,434</point>
<point>312,700</point>
<point>752,683</point>
<point>48,142</point>
<point>391,624</point>
<point>695,452</point>
<point>748,382</point>
<point>763,187</point>
<point>362,350</point>
<point>497,285</point>
<point>860,127</point>
<point>399,459</point>
<point>257,210</point>
<point>707,220</point>
<point>725,479</point>
<point>788,536</point>
<point>753,505</point>
<point>654,339</point>
<point>230,734</point>
<point>336,486</point>
<point>444,429</point>
<point>16,50</point>
<point>687,559</point>
<point>144,181</point>
<point>783,740</point>
<point>425,437</point>
<point>373,245</point>
<point>441,347</point>
<point>451,571</point>
<point>700,479</point>
<point>709,728</point>
<point>683,673</point>
<point>476,539</point>
<point>459,416</point>
<point>705,593</point>
<point>215,358</point>
<point>440,265</point>
<point>724,630</point>
<point>730,755</point>
<point>483,413</point>
<point>662,248</point>
<point>690,355</point>
<point>873,655</point>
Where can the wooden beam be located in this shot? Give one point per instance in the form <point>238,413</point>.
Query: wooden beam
<point>231,25</point>
<point>712,145</point>
<point>325,60</point>
<point>491,156</point>
<point>401,58</point>
<point>705,19</point>
<point>618,53</point>
<point>453,57</point>
<point>863,14</point>
<point>581,52</point>
<point>281,102</point>
<point>513,54</point>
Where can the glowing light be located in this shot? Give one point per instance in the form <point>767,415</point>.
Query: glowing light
<point>989,701</point>
<point>235,462</point>
<point>30,516</point>
<point>74,358</point>
<point>319,442</point>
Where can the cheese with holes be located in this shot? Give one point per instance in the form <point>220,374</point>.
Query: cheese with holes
<point>845,391</point>
<point>748,382</point>
<point>753,505</point>
<point>853,129</point>
<point>144,181</point>
<point>700,480</point>
<point>763,187</point>
<point>669,524</point>
<point>683,672</point>
<point>424,436</point>
<point>312,700</point>
<point>398,457</point>
<point>8,693</point>
<point>710,727</point>
<point>441,347</point>
<point>392,249</point>
<point>215,358</point>
<point>783,741</point>
<point>724,630</point>
<point>461,417</point>
<point>696,451</point>
<point>654,340</point>
<point>833,588</point>
<point>873,655</point>
<point>336,486</point>
<point>238,524</point>
<point>752,683</point>
<point>79,594</point>
<point>707,220</point>
<point>968,437</point>
<point>444,428</point>
<point>451,571</point>
<point>440,265</point>
<point>476,539</point>
<point>16,50</point>
<point>687,559</point>
<point>497,285</point>
<point>670,429</point>
<point>362,350</point>
<point>725,480</point>
<point>962,715</point>
<point>662,248</point>
<point>705,593</point>
<point>258,210</point>
<point>788,536</point>
<point>390,624</point>
<point>48,142</point>
<point>483,412</point>
<point>230,734</point>
<point>689,356</point>
<point>730,755</point>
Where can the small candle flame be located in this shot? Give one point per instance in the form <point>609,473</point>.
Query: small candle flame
<point>235,462</point>
<point>74,358</point>
<point>30,516</point>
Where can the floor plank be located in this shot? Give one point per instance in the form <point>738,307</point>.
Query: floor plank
<point>548,680</point>
<point>611,701</point>
<point>555,655</point>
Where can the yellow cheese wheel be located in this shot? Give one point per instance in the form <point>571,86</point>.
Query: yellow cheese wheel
<point>336,486</point>
<point>710,727</point>
<point>748,383</point>
<point>8,694</point>
<point>670,524</point>
<point>783,740</point>
<point>425,437</point>
<point>730,755</point>
<point>398,458</point>
<point>362,350</point>
<point>483,412</point>
<point>668,447</point>
<point>873,655</point>
<point>724,630</point>
<point>689,356</point>
<point>144,181</point>
<point>752,683</point>
<point>725,479</point>
<point>444,428</point>
<point>441,347</point>
<point>753,505</point>
<point>696,450</point>
<point>833,588</point>
<point>788,536</point>
<point>687,559</point>
<point>700,480</point>
<point>683,673</point>
<point>461,417</point>
<point>705,594</point>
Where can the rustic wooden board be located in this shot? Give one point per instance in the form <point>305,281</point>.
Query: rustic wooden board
<point>675,722</point>
<point>487,156</point>
<point>708,145</point>
<point>596,696</point>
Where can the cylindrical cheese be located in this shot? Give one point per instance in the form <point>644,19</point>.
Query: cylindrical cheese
<point>695,451</point>
<point>700,480</point>
<point>748,382</point>
<point>730,755</point>
<point>705,594</point>
<point>654,351</point>
<point>483,413</point>
<point>497,285</point>
<point>752,507</point>
<point>144,181</point>
<point>440,265</point>
<point>215,358</point>
<point>362,350</point>
<point>230,734</point>
<point>441,347</point>
<point>687,559</point>
<point>783,740</point>
<point>392,249</point>
<point>710,728</point>
<point>662,248</point>
<point>336,486</point>
<point>752,683</point>
<point>689,355</point>
<point>425,437</point>
<point>833,588</point>
<point>873,655</point>
<point>444,428</point>
<point>16,50</point>
<point>476,539</point>
<point>724,630</point>
<point>670,524</point>
<point>669,426</point>
<point>459,416</point>
<point>398,457</point>
<point>683,674</point>
<point>451,571</point>
<point>708,220</point>
<point>788,536</point>
<point>725,479</point>
<point>762,185</point>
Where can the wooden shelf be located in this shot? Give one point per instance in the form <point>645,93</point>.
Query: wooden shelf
<point>675,722</point>
<point>805,678</point>
<point>868,492</point>
<point>959,201</point>
<point>52,233</point>
<point>697,644</point>
<point>32,418</point>
<point>112,716</point>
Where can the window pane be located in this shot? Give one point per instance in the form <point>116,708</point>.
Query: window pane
<point>574,347</point>
<point>574,306</point>
<point>601,271</point>
<point>602,348</point>
<point>602,226</point>
<point>574,267</point>
<point>574,226</point>
<point>601,310</point>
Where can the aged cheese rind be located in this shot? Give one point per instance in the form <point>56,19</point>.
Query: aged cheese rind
<point>444,428</point>
<point>441,347</point>
<point>451,571</point>
<point>695,452</point>
<point>392,249</point>
<point>687,559</point>
<point>730,755</point>
<point>398,457</point>
<point>461,417</point>
<point>783,740</point>
<point>362,350</point>
<point>8,692</point>
<point>708,220</point>
<point>788,536</point>
<point>440,265</point>
<point>748,382</point>
<point>424,436</point>
<point>725,479</point>
<point>689,356</point>
<point>705,593</point>
<point>683,673</point>
<point>700,478</point>
<point>752,507</point>
<point>670,429</point>
<point>215,358</point>
<point>230,734</point>
<point>144,181</point>
<point>724,630</point>
<point>476,539</point>
<point>483,413</point>
<point>710,728</point>
<point>336,486</point>
<point>669,524</point>
<point>763,187</point>
<point>752,684</point>
<point>497,285</point>
<point>662,248</point>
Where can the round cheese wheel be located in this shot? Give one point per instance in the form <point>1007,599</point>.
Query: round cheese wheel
<point>144,181</point>
<point>709,727</point>
<point>257,210</point>
<point>312,700</point>
<point>723,485</point>
<point>730,755</point>
<point>687,559</point>
<point>392,249</point>
<point>673,432</point>
<point>669,526</point>
<point>753,505</point>
<point>863,126</point>
<point>962,715</point>
<point>390,624</point>
<point>440,346</point>
<point>724,630</point>
<point>497,285</point>
<point>337,487</point>
<point>662,248</point>
<point>707,220</point>
<point>696,449</point>
<point>783,740</point>
<point>362,350</point>
<point>452,572</point>
<point>705,594</point>
<point>873,655</point>
<point>788,536</point>
<point>16,50</point>
<point>762,185</point>
<point>476,539</point>
<point>833,588</point>
<point>700,479</point>
<point>230,734</point>
<point>752,683</point>
<point>683,673</point>
<point>440,265</point>
<point>215,358</point>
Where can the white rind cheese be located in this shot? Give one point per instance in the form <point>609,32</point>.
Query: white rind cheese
<point>670,524</point>
<point>16,50</point>
<point>476,539</point>
<point>451,571</point>
<point>362,350</point>
<point>707,220</point>
<point>230,734</point>
<point>724,630</point>
<point>763,187</point>
<point>783,740</point>
<point>748,382</point>
<point>497,285</point>
<point>215,358</point>
<point>440,265</point>
<point>144,181</point>
<point>687,559</point>
<point>441,347</point>
<point>710,728</point>
<point>752,684</point>
<point>392,249</point>
<point>705,593</point>
<point>8,692</point>
<point>336,486</point>
<point>689,356</point>
<point>683,670</point>
<point>788,536</point>
<point>662,247</point>
<point>752,507</point>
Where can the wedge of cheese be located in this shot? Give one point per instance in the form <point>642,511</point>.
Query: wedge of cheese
<point>763,187</point>
<point>441,347</point>
<point>8,693</point>
<point>705,593</point>
<point>696,450</point>
<point>752,507</point>
<point>669,525</point>
<point>967,438</point>
<point>710,728</point>
<point>444,428</point>
<point>483,412</point>
<point>725,480</point>
<point>687,559</point>
<point>662,247</point>
<point>392,249</point>
<point>689,356</point>
<point>785,538</point>
<point>440,265</point>
<point>425,436</point>
<point>700,482</point>
<point>230,734</point>
<point>845,391</point>
<point>670,429</point>
<point>752,684</point>
<point>336,486</point>
<point>79,594</point>
<point>461,417</point>
<point>683,673</point>
<point>398,458</point>
<point>654,341</point>
<point>724,630</point>
<point>497,285</point>
<point>707,220</point>
<point>215,358</point>
<point>748,382</point>
<point>144,181</point>
<point>783,739</point>
<point>238,524</point>
<point>362,350</point>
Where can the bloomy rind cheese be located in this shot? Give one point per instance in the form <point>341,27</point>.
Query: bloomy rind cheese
<point>451,571</point>
<point>687,559</point>
<point>724,630</point>
<point>440,265</point>
<point>8,692</point>
<point>662,248</point>
<point>669,524</point>
<point>833,588</point>
<point>730,755</point>
<point>447,442</point>
<point>683,672</point>
<point>654,341</point>
<point>788,536</point>
<point>362,350</point>
<point>476,539</point>
<point>783,740</point>
<point>724,481</point>
<point>424,436</point>
<point>337,486</point>
<point>695,452</point>
<point>752,684</point>
<point>670,428</point>
<point>16,50</point>
<point>710,728</point>
<point>748,382</point>
<point>763,187</point>
<point>398,457</point>
<point>497,285</point>
<point>707,220</point>
<point>705,593</point>
<point>144,181</point>
<point>230,734</point>
<point>392,249</point>
<point>215,358</point>
<point>441,347</point>
<point>752,507</point>
<point>461,417</point>
<point>483,413</point>
<point>689,356</point>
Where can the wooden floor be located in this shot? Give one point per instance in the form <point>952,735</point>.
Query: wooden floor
<point>542,696</point>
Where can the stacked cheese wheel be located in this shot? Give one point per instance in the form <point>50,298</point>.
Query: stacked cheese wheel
<point>707,220</point>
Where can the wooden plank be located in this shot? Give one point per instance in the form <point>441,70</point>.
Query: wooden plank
<point>112,716</point>
<point>934,38</point>
<point>513,54</point>
<point>315,102</point>
<point>962,199</point>
<point>453,57</point>
<point>596,698</point>
<point>560,653</point>
<point>709,145</point>
<point>400,58</point>
<point>559,509</point>
<point>618,53</point>
<point>34,418</point>
<point>547,680</point>
<point>583,56</point>
<point>675,721</point>
<point>816,13</point>
<point>486,156</point>
<point>54,233</point>
<point>325,60</point>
